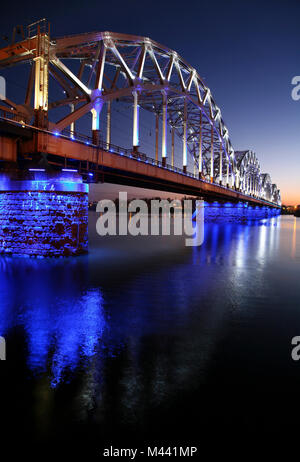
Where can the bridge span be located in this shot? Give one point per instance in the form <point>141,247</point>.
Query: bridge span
<point>76,81</point>
<point>107,163</point>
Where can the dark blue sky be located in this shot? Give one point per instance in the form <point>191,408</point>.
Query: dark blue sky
<point>247,52</point>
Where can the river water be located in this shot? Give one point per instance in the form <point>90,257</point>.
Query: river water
<point>146,340</point>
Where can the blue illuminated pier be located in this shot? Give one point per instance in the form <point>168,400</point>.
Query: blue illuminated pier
<point>240,212</point>
<point>43,214</point>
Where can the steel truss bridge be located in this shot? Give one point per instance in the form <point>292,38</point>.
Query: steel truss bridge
<point>94,70</point>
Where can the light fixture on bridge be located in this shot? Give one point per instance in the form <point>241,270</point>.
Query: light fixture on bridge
<point>72,170</point>
<point>36,169</point>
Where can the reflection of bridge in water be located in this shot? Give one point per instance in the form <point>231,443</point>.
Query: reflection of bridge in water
<point>96,71</point>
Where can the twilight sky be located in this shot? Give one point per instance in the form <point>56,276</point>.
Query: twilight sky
<point>247,53</point>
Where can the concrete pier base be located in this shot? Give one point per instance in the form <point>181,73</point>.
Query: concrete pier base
<point>43,215</point>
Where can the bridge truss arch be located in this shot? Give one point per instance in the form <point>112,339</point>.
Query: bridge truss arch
<point>269,190</point>
<point>248,172</point>
<point>155,78</point>
<point>95,69</point>
<point>140,71</point>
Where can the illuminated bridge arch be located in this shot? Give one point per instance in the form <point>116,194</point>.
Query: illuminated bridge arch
<point>95,69</point>
<point>153,77</point>
<point>75,76</point>
<point>266,187</point>
<point>276,195</point>
<point>248,172</point>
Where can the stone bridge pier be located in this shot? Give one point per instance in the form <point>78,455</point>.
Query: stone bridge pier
<point>43,214</point>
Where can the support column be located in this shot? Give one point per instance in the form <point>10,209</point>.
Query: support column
<point>227,174</point>
<point>72,126</point>
<point>184,141</point>
<point>164,129</point>
<point>41,80</point>
<point>108,125</point>
<point>237,181</point>
<point>156,135</point>
<point>200,160</point>
<point>96,111</point>
<point>136,108</point>
<point>221,164</point>
<point>232,178</point>
<point>212,155</point>
<point>173,145</point>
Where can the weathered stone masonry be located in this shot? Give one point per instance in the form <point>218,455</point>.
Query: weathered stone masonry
<point>48,221</point>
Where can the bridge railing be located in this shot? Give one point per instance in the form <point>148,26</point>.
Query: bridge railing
<point>11,116</point>
<point>137,155</point>
<point>40,26</point>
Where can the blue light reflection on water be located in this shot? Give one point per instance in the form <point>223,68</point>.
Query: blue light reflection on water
<point>63,323</point>
<point>75,328</point>
<point>62,308</point>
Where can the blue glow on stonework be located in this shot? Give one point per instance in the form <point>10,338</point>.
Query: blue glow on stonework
<point>61,183</point>
<point>42,233</point>
<point>237,212</point>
